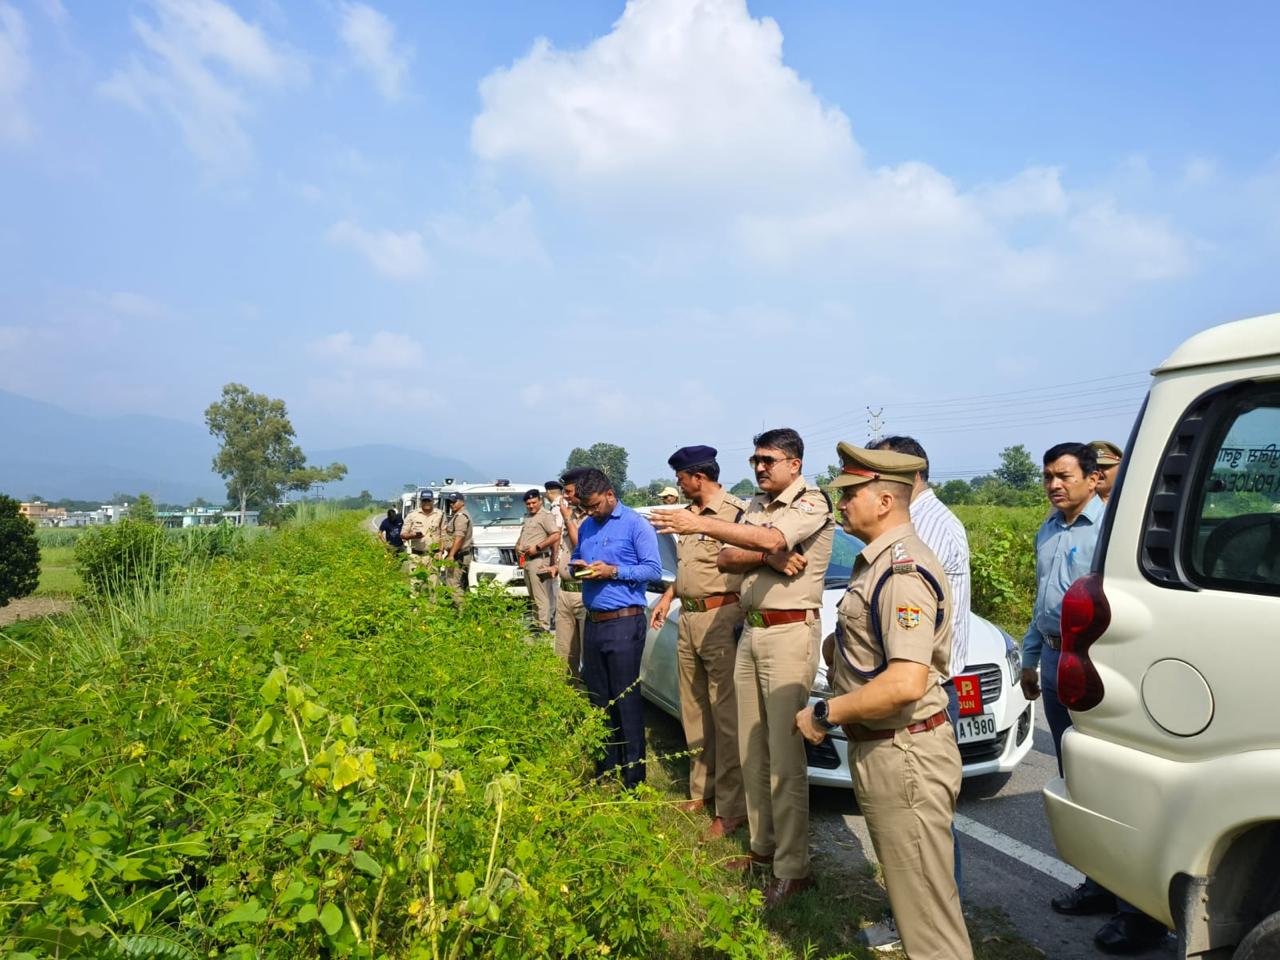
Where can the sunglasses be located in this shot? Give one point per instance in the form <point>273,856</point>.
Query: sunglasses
<point>766,462</point>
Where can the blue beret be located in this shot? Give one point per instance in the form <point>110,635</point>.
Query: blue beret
<point>687,457</point>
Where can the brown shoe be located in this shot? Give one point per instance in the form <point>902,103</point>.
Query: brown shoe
<point>781,890</point>
<point>752,859</point>
<point>692,806</point>
<point>723,826</point>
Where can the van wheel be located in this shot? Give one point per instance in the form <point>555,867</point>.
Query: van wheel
<point>1263,941</point>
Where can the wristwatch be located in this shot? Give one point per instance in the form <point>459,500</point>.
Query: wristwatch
<point>820,710</point>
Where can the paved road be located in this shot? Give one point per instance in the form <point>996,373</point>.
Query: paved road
<point>1007,855</point>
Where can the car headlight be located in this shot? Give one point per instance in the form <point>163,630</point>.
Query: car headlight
<point>488,555</point>
<point>1013,657</point>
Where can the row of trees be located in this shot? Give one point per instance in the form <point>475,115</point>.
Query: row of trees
<point>1014,483</point>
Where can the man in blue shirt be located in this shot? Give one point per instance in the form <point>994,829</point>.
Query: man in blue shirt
<point>1064,552</point>
<point>616,558</point>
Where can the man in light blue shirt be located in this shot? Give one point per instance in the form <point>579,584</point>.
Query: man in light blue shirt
<point>616,559</point>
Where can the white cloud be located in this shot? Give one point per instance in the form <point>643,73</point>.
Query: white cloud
<point>370,39</point>
<point>687,108</point>
<point>510,234</point>
<point>384,351</point>
<point>401,255</point>
<point>198,64</point>
<point>15,70</point>
<point>136,305</point>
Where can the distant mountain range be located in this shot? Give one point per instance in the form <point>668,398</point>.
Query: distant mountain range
<point>54,453</point>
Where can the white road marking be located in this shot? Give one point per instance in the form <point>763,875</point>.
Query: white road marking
<point>1049,866</point>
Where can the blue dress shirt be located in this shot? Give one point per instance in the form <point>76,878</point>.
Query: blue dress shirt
<point>1064,554</point>
<point>627,541</point>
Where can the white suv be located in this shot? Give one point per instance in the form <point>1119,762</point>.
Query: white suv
<point>1171,653</point>
<point>497,510</point>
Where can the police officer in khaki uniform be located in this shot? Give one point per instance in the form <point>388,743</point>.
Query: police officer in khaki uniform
<point>1109,457</point>
<point>456,542</point>
<point>888,656</point>
<point>782,547</point>
<point>423,530</point>
<point>536,545</point>
<point>710,620</point>
<point>571,614</point>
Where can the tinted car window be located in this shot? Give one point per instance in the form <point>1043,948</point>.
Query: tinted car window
<point>667,553</point>
<point>1232,538</point>
<point>844,550</point>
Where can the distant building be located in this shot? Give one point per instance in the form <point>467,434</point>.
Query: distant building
<point>205,517</point>
<point>41,514</point>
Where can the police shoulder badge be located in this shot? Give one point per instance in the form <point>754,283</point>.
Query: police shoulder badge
<point>908,617</point>
<point>901,562</point>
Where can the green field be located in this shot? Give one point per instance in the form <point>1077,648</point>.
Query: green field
<point>58,577</point>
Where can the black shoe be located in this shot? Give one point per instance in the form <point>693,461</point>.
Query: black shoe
<point>1084,901</point>
<point>1130,933</point>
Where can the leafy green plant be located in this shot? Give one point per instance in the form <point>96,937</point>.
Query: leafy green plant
<point>283,752</point>
<point>1002,562</point>
<point>19,553</point>
<point>118,555</point>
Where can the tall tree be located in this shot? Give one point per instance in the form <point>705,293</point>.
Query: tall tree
<point>19,553</point>
<point>609,457</point>
<point>259,458</point>
<point>1017,469</point>
<point>143,509</point>
<point>743,488</point>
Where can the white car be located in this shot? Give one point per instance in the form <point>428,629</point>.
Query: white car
<point>994,741</point>
<point>1170,653</point>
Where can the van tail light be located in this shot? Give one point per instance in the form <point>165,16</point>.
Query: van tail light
<point>1085,617</point>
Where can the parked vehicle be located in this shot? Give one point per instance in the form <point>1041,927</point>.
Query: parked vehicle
<point>992,741</point>
<point>1170,653</point>
<point>497,510</point>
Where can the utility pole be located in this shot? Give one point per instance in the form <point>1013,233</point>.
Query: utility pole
<point>875,422</point>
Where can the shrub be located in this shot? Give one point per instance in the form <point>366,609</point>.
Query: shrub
<point>1002,562</point>
<point>286,754</point>
<point>19,553</point>
<point>117,556</point>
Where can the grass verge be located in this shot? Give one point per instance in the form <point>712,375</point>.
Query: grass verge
<point>58,576</point>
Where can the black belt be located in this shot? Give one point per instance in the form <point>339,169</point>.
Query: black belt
<point>1051,641</point>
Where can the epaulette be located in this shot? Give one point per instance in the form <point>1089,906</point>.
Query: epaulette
<point>901,562</point>
<point>737,502</point>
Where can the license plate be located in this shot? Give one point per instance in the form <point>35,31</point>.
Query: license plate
<point>976,729</point>
<point>968,693</point>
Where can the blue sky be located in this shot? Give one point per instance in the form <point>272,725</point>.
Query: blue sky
<point>501,230</point>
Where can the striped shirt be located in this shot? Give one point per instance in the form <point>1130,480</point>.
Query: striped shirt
<point>943,533</point>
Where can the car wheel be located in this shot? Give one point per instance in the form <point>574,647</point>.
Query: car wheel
<point>1263,941</point>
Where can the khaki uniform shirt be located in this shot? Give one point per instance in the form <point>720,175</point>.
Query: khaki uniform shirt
<point>428,524</point>
<point>908,617</point>
<point>696,571</point>
<point>533,530</point>
<point>564,550</point>
<point>459,525</point>
<point>803,515</point>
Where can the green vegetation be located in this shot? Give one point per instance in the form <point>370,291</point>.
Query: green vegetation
<point>19,553</point>
<point>1002,562</point>
<point>58,576</point>
<point>609,457</point>
<point>283,753</point>
<point>113,558</point>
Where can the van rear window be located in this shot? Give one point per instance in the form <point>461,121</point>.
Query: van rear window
<point>1231,540</point>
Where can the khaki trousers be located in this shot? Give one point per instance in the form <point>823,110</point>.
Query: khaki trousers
<point>907,790</point>
<point>772,676</point>
<point>540,592</point>
<point>571,618</point>
<point>706,652</point>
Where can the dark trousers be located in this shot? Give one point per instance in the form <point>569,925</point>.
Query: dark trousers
<point>611,654</point>
<point>1059,719</point>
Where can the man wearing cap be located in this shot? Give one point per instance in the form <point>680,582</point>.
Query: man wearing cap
<point>616,558</point>
<point>781,547</point>
<point>1109,456</point>
<point>456,542</point>
<point>669,496</point>
<point>535,545</point>
<point>706,646</point>
<point>890,653</point>
<point>571,615</point>
<point>423,529</point>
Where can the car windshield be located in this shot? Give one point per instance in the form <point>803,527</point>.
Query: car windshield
<point>844,549</point>
<point>495,509</point>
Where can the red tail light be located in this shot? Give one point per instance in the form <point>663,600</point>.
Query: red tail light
<point>1085,617</point>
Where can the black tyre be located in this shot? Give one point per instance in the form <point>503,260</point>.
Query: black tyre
<point>1263,941</point>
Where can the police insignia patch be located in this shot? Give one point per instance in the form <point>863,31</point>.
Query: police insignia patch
<point>804,506</point>
<point>908,617</point>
